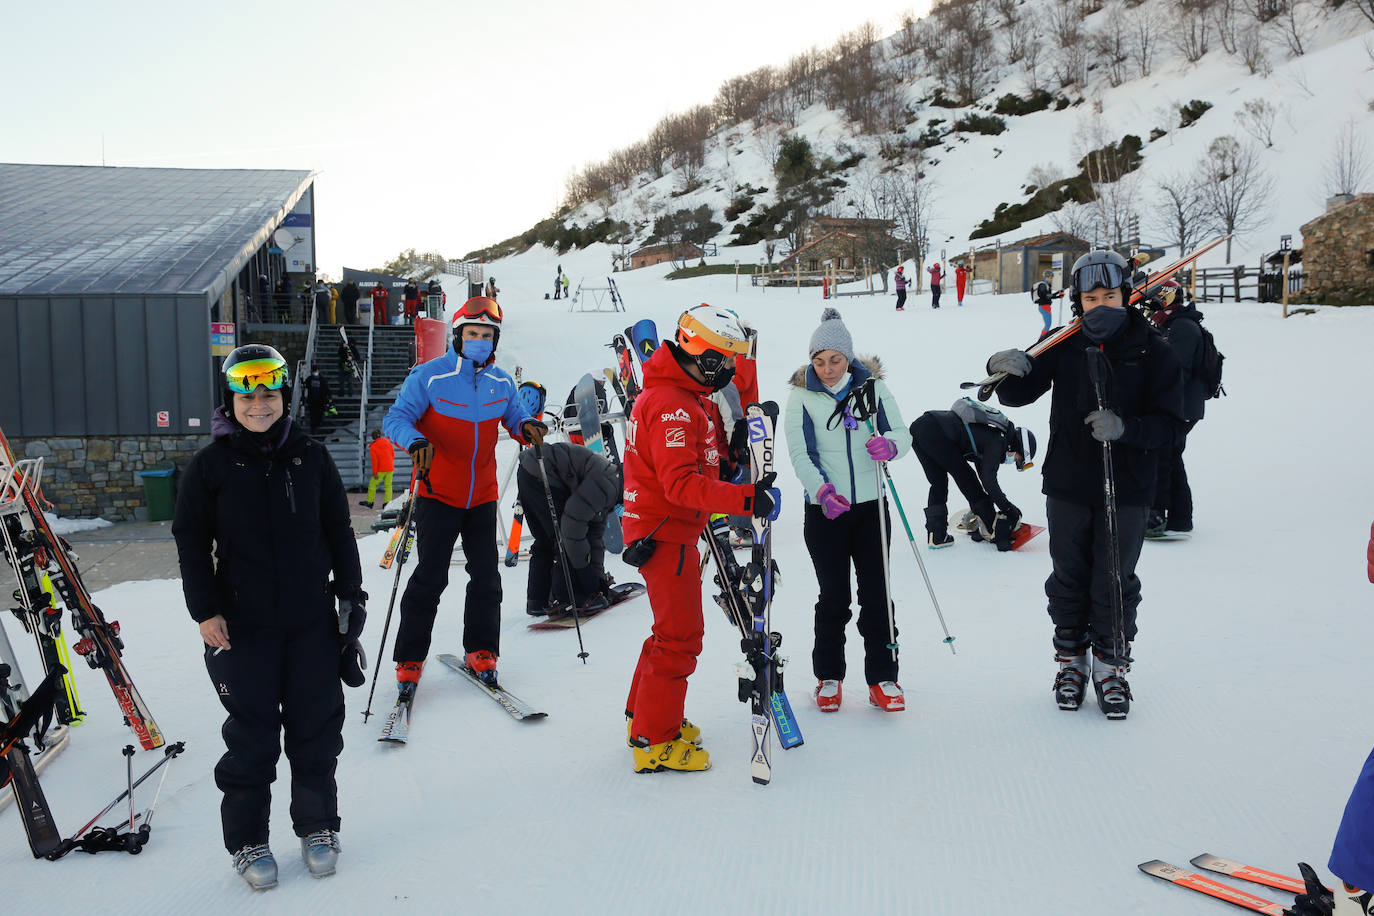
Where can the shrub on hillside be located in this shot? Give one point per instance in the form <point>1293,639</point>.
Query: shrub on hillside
<point>1189,113</point>
<point>1013,104</point>
<point>981,124</point>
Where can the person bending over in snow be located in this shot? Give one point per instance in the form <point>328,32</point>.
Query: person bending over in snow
<point>834,456</point>
<point>1143,412</point>
<point>945,441</point>
<point>448,416</point>
<point>585,487</point>
<point>672,481</point>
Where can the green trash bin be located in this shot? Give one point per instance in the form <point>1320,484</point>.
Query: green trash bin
<point>160,492</point>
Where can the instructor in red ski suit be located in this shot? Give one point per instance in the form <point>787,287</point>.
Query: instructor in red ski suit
<point>672,485</point>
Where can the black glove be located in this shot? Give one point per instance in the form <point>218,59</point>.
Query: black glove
<point>421,454</point>
<point>1318,901</point>
<point>352,615</point>
<point>1001,533</point>
<point>765,500</point>
<point>353,664</point>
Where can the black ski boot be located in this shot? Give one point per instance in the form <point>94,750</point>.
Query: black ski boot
<point>984,520</point>
<point>937,528</point>
<point>1109,680</point>
<point>1155,524</point>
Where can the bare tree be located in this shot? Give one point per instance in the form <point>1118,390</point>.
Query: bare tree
<point>1143,29</point>
<point>1020,36</point>
<point>1179,215</point>
<point>1256,118</point>
<point>1366,7</point>
<point>1077,220</point>
<point>1191,33</point>
<point>1235,186</point>
<point>965,62</point>
<point>1066,26</point>
<point>914,197</point>
<point>1108,169</point>
<point>1032,56</point>
<point>1347,167</point>
<point>1228,17</point>
<point>1297,21</point>
<point>1250,46</point>
<point>904,40</point>
<point>1044,174</point>
<point>1111,47</point>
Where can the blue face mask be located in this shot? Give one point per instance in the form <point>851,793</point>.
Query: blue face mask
<point>1102,323</point>
<point>479,351</point>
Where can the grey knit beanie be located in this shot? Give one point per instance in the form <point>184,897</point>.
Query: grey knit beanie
<point>832,335</point>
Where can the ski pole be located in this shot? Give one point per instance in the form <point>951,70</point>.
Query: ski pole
<point>170,752</point>
<point>562,555</point>
<point>1096,359</point>
<point>404,553</point>
<point>911,538</point>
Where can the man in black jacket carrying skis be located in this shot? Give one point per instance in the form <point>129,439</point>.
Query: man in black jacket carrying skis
<point>1143,411</point>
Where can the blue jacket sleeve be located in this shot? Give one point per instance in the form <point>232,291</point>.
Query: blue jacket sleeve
<point>410,406</point>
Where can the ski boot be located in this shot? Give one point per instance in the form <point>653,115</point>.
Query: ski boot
<point>1109,680</point>
<point>984,520</point>
<point>320,852</point>
<point>1155,524</point>
<point>679,755</point>
<point>686,732</point>
<point>937,528</point>
<point>595,603</point>
<point>483,664</point>
<point>828,694</point>
<point>1072,679</point>
<point>408,673</point>
<point>255,863</point>
<point>887,696</point>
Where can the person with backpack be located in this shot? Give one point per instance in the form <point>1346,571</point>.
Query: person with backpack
<point>349,297</point>
<point>945,442</point>
<point>1180,323</point>
<point>1141,413</point>
<point>1043,298</point>
<point>900,282</point>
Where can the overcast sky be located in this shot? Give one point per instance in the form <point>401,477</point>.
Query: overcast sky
<point>434,125</point>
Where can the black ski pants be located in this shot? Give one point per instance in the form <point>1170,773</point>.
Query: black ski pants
<point>901,298</point>
<point>275,682</point>
<point>935,295</point>
<point>836,545</point>
<point>545,577</point>
<point>942,459</point>
<point>1080,587</point>
<point>438,527</point>
<point>1172,493</point>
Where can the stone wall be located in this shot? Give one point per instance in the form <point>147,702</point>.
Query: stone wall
<point>97,477</point>
<point>1338,254</point>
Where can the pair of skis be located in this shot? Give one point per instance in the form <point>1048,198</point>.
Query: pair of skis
<point>1203,885</point>
<point>988,385</point>
<point>396,727</point>
<point>99,643</point>
<point>747,596</point>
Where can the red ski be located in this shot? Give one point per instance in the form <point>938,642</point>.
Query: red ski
<point>1195,882</point>
<point>1250,873</point>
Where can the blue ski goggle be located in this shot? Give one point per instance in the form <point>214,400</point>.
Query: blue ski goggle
<point>1098,276</point>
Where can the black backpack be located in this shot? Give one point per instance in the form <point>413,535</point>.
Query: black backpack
<point>1210,370</point>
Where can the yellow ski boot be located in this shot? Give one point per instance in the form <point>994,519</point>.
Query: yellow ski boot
<point>671,755</point>
<point>688,732</point>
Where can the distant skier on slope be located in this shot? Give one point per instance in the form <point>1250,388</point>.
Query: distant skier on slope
<point>899,281</point>
<point>1143,413</point>
<point>945,442</point>
<point>937,279</point>
<point>1044,297</point>
<point>833,454</point>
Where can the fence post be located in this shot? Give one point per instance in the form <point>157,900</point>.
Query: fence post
<point>1285,284</point>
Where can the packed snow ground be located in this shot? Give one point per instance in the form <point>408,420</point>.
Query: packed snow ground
<point>1251,685</point>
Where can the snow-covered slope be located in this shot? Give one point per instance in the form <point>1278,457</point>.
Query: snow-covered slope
<point>1312,96</point>
<point>1251,686</point>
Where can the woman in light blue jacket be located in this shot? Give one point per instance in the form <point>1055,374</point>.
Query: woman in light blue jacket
<point>835,456</point>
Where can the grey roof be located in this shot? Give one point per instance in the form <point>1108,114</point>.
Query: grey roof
<point>72,230</point>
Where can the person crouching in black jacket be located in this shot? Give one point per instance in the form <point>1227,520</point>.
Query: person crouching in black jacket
<point>585,487</point>
<point>261,522</point>
<point>1144,413</point>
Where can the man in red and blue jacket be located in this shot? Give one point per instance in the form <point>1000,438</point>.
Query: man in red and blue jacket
<point>448,417</point>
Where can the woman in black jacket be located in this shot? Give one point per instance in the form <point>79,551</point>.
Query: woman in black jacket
<point>261,523</point>
<point>1143,413</point>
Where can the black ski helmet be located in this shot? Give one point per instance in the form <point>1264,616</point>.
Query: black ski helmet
<point>254,366</point>
<point>1100,268</point>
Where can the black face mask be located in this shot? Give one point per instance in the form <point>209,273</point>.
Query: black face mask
<point>722,378</point>
<point>1104,322</point>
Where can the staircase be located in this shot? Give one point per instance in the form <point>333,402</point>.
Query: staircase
<point>390,359</point>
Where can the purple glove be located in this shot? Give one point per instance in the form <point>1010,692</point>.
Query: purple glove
<point>881,448</point>
<point>832,504</point>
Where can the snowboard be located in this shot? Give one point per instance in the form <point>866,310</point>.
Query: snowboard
<point>1019,538</point>
<point>618,594</point>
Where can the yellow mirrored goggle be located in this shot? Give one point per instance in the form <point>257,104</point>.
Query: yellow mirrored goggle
<point>246,376</point>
